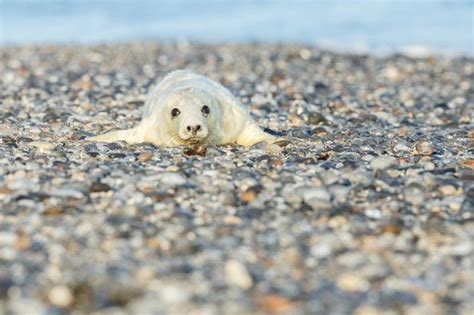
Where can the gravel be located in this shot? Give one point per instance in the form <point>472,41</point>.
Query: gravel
<point>365,207</point>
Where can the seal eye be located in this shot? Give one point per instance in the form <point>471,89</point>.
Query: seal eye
<point>175,112</point>
<point>205,110</point>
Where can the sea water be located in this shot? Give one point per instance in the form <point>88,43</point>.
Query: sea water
<point>443,27</point>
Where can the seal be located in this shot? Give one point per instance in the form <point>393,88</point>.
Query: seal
<point>190,109</point>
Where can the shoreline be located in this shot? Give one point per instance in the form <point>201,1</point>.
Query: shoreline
<point>409,51</point>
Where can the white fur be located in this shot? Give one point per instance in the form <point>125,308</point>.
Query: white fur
<point>227,122</point>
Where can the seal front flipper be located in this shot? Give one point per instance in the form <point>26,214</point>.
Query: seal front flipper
<point>252,134</point>
<point>129,135</point>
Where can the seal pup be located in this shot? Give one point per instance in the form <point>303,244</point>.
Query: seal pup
<point>190,109</point>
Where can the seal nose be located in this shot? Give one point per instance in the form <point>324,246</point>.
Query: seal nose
<point>193,129</point>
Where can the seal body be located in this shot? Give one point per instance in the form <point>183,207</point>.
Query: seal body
<point>188,109</point>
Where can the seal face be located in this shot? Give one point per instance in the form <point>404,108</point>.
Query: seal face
<point>189,109</point>
<point>191,113</point>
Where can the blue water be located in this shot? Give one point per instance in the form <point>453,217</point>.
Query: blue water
<point>377,25</point>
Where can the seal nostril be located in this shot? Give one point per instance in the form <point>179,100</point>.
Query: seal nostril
<point>198,127</point>
<point>188,128</point>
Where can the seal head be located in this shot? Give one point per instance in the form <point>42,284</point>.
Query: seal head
<point>191,115</point>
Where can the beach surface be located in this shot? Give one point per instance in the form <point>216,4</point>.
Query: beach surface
<point>367,207</point>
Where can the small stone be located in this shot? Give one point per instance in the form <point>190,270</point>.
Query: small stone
<point>158,196</point>
<point>153,243</point>
<point>172,179</point>
<point>401,147</point>
<point>117,155</point>
<point>250,194</point>
<point>317,198</point>
<point>276,163</point>
<point>23,241</point>
<point>373,213</point>
<point>316,118</point>
<point>237,275</point>
<point>391,229</point>
<point>174,294</point>
<point>273,149</point>
<point>232,220</point>
<point>414,193</point>
<point>81,84</point>
<point>42,145</point>
<point>4,191</point>
<point>448,190</point>
<point>21,184</point>
<point>392,73</point>
<point>455,207</point>
<point>67,193</point>
<point>423,148</point>
<point>321,250</point>
<point>367,310</point>
<point>320,131</point>
<point>197,150</point>
<point>53,211</point>
<point>305,54</point>
<point>60,296</point>
<point>383,162</point>
<point>468,163</point>
<point>7,238</point>
<point>99,187</point>
<point>8,140</point>
<point>274,303</point>
<point>462,248</point>
<point>352,283</point>
<point>228,198</point>
<point>145,157</point>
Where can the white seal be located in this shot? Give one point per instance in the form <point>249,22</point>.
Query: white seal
<point>188,109</point>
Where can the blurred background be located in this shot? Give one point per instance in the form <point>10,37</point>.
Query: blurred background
<point>380,26</point>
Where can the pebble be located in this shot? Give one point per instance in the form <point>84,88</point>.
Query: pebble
<point>423,148</point>
<point>373,213</point>
<point>249,195</point>
<point>7,238</point>
<point>273,149</point>
<point>172,179</point>
<point>352,283</point>
<point>66,193</point>
<point>414,193</point>
<point>60,296</point>
<point>275,304</point>
<point>42,145</point>
<point>317,198</point>
<point>145,157</point>
<point>99,187</point>
<point>402,147</point>
<point>383,162</point>
<point>197,150</point>
<point>237,275</point>
<point>448,190</point>
<point>21,184</point>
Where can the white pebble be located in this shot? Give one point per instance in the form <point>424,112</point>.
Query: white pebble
<point>237,275</point>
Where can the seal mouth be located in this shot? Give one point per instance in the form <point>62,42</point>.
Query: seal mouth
<point>194,140</point>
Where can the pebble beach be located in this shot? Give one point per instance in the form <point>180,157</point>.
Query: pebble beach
<point>366,205</point>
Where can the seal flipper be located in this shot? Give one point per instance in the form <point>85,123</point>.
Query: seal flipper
<point>253,134</point>
<point>130,136</point>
